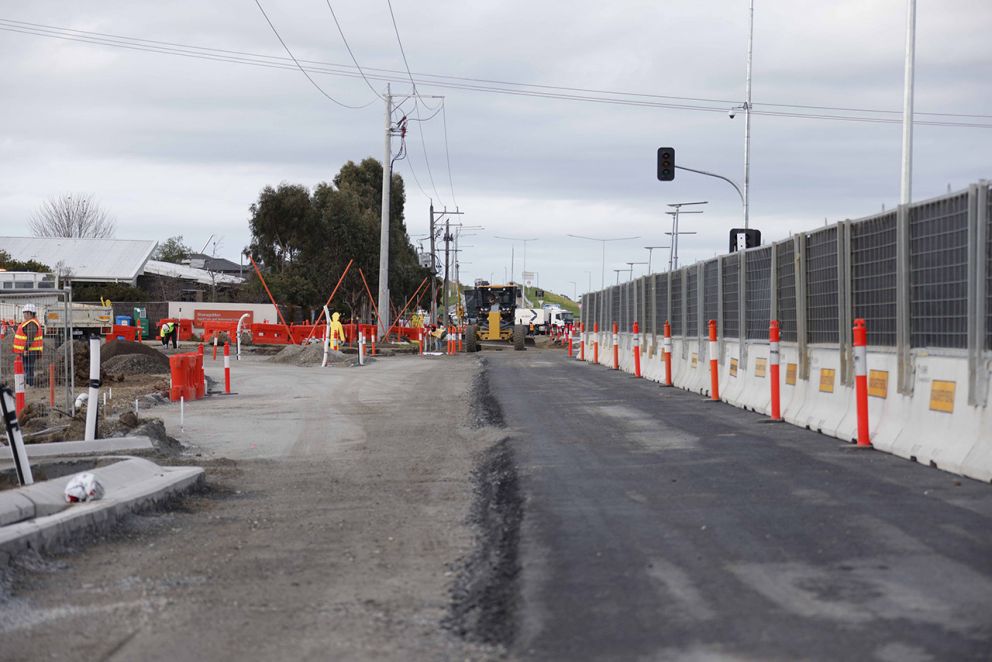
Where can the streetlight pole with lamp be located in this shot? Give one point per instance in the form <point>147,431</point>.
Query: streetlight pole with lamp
<point>631,265</point>
<point>602,282</point>
<point>673,254</point>
<point>650,249</point>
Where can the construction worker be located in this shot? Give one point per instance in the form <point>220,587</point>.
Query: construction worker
<point>29,340</point>
<point>337,331</point>
<point>168,331</point>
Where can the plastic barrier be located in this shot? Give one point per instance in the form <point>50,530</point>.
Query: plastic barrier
<point>270,334</point>
<point>186,371</point>
<point>124,332</point>
<point>212,330</point>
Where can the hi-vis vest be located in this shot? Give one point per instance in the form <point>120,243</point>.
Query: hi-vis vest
<point>21,338</point>
<point>167,328</point>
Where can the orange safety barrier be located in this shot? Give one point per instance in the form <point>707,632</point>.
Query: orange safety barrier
<point>185,328</point>
<point>270,334</point>
<point>215,328</point>
<point>124,332</point>
<point>186,371</point>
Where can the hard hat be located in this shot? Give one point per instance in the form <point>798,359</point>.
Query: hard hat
<point>30,308</point>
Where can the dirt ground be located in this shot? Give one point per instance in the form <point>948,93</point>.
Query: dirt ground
<point>342,529</point>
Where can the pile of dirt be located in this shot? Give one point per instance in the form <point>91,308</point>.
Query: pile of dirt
<point>117,367</point>
<point>115,348</point>
<point>80,359</point>
<point>312,354</point>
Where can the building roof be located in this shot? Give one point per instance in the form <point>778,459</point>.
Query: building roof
<point>84,260</point>
<point>186,272</point>
<point>201,261</point>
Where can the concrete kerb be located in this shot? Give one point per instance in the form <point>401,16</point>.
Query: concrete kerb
<point>37,517</point>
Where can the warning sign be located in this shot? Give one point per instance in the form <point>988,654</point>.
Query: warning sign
<point>790,374</point>
<point>942,396</point>
<point>827,376</point>
<point>733,367</point>
<point>878,383</point>
<point>760,365</point>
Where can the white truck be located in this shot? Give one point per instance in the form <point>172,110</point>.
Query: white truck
<point>543,319</point>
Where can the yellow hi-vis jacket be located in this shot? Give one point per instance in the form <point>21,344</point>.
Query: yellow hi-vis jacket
<point>21,338</point>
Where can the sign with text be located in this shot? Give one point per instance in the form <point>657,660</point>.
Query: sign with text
<point>760,365</point>
<point>201,315</point>
<point>942,396</point>
<point>878,383</point>
<point>827,377</point>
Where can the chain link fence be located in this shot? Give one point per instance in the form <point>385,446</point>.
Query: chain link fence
<point>47,374</point>
<point>920,276</point>
<point>938,272</point>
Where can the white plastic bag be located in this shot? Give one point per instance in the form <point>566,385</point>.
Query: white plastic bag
<point>83,487</point>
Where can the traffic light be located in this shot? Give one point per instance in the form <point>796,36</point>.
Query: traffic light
<point>741,239</point>
<point>666,164</point>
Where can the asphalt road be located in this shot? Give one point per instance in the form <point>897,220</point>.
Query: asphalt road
<point>659,526</point>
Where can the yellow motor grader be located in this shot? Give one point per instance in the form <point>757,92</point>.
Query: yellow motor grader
<point>490,312</point>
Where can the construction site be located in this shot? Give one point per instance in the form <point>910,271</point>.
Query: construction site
<point>517,331</point>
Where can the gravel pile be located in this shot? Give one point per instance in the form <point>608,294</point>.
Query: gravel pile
<point>312,354</point>
<point>135,364</point>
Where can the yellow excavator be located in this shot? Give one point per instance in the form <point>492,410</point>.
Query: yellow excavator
<point>490,312</point>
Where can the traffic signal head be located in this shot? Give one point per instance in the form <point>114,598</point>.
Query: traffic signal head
<point>741,239</point>
<point>666,164</point>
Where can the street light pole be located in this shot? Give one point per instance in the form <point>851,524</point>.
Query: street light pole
<point>747,117</point>
<point>650,249</point>
<point>673,255</point>
<point>906,192</point>
<point>602,282</point>
<point>631,265</point>
<point>617,272</point>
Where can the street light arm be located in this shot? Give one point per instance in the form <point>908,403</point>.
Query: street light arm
<point>713,174</point>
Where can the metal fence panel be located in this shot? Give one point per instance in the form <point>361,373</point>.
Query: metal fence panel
<point>757,292</point>
<point>47,374</point>
<point>988,272</point>
<point>660,302</point>
<point>938,273</point>
<point>785,257</point>
<point>873,276</point>
<point>649,301</point>
<point>731,301</point>
<point>676,313</point>
<point>615,307</point>
<point>711,293</point>
<point>822,286</point>
<point>692,302</point>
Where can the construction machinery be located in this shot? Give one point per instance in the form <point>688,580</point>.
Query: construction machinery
<point>490,315</point>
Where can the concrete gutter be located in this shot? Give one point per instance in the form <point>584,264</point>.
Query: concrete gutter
<point>37,517</point>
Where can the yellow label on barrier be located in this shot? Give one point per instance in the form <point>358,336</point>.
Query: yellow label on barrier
<point>827,380</point>
<point>695,360</point>
<point>790,374</point>
<point>760,365</point>
<point>878,383</point>
<point>733,367</point>
<point>942,396</point>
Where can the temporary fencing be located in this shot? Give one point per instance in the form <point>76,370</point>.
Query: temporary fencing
<point>920,278</point>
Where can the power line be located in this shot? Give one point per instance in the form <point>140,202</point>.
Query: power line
<point>275,62</point>
<point>350,52</point>
<point>447,154</point>
<point>416,100</point>
<point>300,67</point>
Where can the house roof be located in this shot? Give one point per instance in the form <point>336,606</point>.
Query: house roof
<point>84,260</point>
<point>201,261</point>
<point>186,272</point>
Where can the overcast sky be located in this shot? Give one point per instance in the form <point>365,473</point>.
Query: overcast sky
<point>180,145</point>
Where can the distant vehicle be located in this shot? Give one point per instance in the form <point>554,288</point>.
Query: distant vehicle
<point>536,317</point>
<point>86,318</point>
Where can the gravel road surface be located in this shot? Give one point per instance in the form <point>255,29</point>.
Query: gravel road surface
<point>334,526</point>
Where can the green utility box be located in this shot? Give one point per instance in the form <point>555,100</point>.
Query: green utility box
<point>141,319</point>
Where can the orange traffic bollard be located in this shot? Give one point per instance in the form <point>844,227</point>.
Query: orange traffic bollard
<point>571,337</point>
<point>861,380</point>
<point>774,360</point>
<point>215,347</point>
<point>18,385</point>
<point>227,367</point>
<point>667,346</point>
<point>637,351</point>
<point>374,333</point>
<point>714,364</point>
<point>582,342</point>
<point>616,347</point>
<point>595,342</point>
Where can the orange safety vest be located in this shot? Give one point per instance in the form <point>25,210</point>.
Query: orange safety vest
<point>21,338</point>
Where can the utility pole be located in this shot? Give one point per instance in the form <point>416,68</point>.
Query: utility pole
<point>447,262</point>
<point>906,192</point>
<point>436,216</point>
<point>387,180</point>
<point>602,281</point>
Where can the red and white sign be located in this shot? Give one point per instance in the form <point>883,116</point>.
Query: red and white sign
<point>201,315</point>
